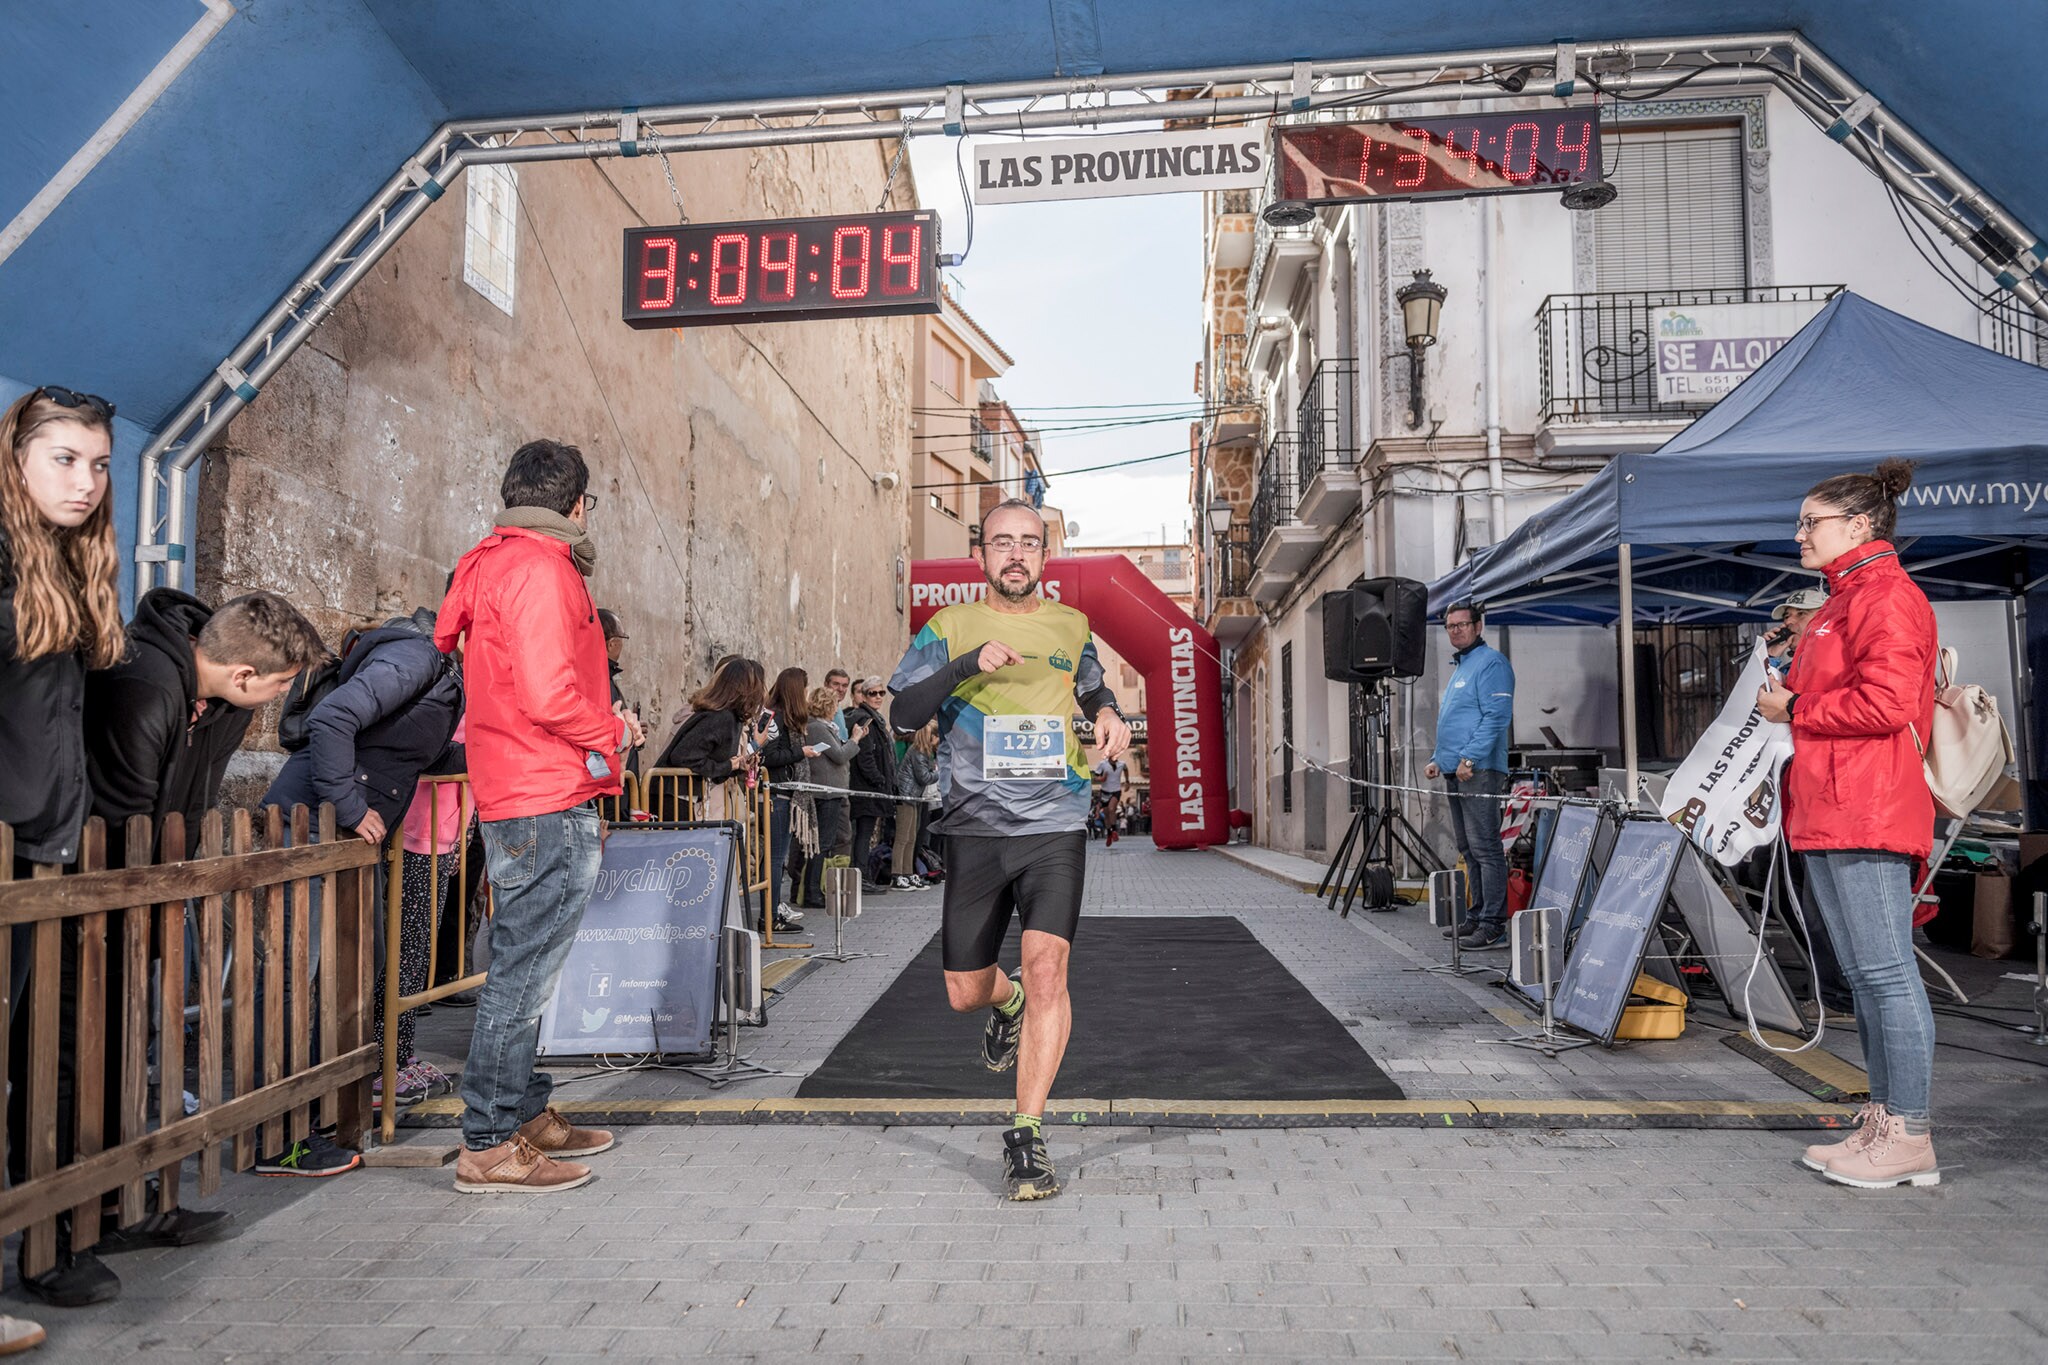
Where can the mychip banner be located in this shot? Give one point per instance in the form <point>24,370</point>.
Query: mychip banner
<point>642,974</point>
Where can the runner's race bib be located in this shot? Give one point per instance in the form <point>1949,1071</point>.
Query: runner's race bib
<point>1024,749</point>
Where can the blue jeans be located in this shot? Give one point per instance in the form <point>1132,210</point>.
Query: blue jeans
<point>543,869</point>
<point>1866,901</point>
<point>778,846</point>
<point>1475,822</point>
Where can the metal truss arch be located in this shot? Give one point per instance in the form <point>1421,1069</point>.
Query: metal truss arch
<point>2011,252</point>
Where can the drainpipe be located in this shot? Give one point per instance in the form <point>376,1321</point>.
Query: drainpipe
<point>1496,486</point>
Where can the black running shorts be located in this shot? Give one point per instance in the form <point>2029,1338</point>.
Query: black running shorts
<point>988,877</point>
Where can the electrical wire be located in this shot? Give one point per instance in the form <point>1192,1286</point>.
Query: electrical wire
<point>1051,474</point>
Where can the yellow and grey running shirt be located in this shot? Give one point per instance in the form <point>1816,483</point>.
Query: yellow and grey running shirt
<point>1009,761</point>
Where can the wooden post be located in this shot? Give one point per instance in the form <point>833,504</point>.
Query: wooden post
<point>324,986</point>
<point>171,991</point>
<point>300,976</point>
<point>139,851</point>
<point>39,1252</point>
<point>244,990</point>
<point>6,976</point>
<point>352,961</point>
<point>213,995</point>
<point>273,1049</point>
<point>89,1060</point>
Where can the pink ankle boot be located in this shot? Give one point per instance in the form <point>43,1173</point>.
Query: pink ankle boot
<point>1889,1157</point>
<point>1868,1118</point>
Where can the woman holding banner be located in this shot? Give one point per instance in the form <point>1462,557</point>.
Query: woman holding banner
<point>1857,808</point>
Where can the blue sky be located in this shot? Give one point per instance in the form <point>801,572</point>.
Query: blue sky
<point>1098,301</point>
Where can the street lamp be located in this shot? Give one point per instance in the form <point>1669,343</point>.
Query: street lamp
<point>1219,518</point>
<point>1422,305</point>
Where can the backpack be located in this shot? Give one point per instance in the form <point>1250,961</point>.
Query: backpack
<point>1967,749</point>
<point>315,685</point>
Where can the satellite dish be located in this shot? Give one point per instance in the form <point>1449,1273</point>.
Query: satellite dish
<point>1073,530</point>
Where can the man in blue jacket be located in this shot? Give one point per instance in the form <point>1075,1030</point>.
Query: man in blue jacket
<point>1472,758</point>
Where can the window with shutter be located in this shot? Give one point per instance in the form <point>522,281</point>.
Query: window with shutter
<point>1677,221</point>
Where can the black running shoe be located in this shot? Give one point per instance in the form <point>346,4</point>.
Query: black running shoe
<point>1029,1173</point>
<point>999,1038</point>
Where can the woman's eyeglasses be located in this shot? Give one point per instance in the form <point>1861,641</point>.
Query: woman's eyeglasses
<point>72,398</point>
<point>1806,524</point>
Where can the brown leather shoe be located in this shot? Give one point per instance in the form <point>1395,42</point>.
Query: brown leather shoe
<point>556,1136</point>
<point>515,1167</point>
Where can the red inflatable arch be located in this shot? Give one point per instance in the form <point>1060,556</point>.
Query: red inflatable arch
<point>1183,677</point>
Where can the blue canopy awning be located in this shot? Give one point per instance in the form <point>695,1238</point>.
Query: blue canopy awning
<point>1709,515</point>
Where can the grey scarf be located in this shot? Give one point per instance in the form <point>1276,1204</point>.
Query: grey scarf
<point>557,526</point>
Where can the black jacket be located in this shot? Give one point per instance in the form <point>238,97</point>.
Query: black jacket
<point>145,752</point>
<point>42,741</point>
<point>783,756</point>
<point>390,716</point>
<point>705,745</point>
<point>874,767</point>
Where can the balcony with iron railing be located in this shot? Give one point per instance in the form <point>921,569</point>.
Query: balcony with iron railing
<point>1281,545</point>
<point>1326,419</point>
<point>1228,571</point>
<point>983,440</point>
<point>1279,254</point>
<point>1597,354</point>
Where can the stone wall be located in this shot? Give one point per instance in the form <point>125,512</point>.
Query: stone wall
<point>733,465</point>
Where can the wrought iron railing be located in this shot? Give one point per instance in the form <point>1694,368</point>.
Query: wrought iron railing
<point>1274,504</point>
<point>983,440</point>
<point>1225,380</point>
<point>1325,419</point>
<point>1234,201</point>
<point>1597,353</point>
<point>1230,566</point>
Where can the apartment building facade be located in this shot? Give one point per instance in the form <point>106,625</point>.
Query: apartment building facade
<point>1333,466</point>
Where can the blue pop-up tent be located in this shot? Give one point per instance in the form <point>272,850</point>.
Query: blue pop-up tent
<point>1701,529</point>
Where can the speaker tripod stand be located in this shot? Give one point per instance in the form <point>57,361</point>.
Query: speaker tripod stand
<point>1363,867</point>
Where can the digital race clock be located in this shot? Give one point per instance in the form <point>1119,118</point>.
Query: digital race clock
<point>867,265</point>
<point>1437,158</point>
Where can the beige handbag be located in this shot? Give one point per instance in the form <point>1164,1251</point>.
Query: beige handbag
<point>1967,750</point>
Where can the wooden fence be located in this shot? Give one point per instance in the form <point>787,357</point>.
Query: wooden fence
<point>246,903</point>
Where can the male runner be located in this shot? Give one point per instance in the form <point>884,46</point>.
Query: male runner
<point>1004,677</point>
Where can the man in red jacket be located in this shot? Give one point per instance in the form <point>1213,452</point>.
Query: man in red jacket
<point>544,743</point>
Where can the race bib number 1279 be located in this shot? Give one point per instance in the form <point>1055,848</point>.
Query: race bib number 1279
<point>1024,748</point>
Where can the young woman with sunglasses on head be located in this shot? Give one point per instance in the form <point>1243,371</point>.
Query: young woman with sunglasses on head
<point>1859,696</point>
<point>60,614</point>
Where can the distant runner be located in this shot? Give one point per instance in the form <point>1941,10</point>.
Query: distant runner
<point>1004,678</point>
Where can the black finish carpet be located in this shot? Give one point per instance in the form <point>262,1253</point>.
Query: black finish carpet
<point>1164,1008</point>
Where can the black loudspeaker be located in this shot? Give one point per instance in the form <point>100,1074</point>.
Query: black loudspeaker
<point>1377,628</point>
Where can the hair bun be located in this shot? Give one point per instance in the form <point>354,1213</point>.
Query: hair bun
<point>1895,476</point>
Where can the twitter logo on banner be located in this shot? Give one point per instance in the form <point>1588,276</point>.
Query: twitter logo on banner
<point>593,1020</point>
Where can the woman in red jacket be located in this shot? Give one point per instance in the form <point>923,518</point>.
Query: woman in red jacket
<point>1860,693</point>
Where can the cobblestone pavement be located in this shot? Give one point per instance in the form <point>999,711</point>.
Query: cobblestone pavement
<point>888,1244</point>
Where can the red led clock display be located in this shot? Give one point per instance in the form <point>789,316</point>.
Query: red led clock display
<point>782,269</point>
<point>1437,158</point>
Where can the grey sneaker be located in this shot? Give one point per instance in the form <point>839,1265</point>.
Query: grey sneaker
<point>999,1038</point>
<point>1028,1172</point>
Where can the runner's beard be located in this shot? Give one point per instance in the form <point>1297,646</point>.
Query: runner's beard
<point>1002,589</point>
